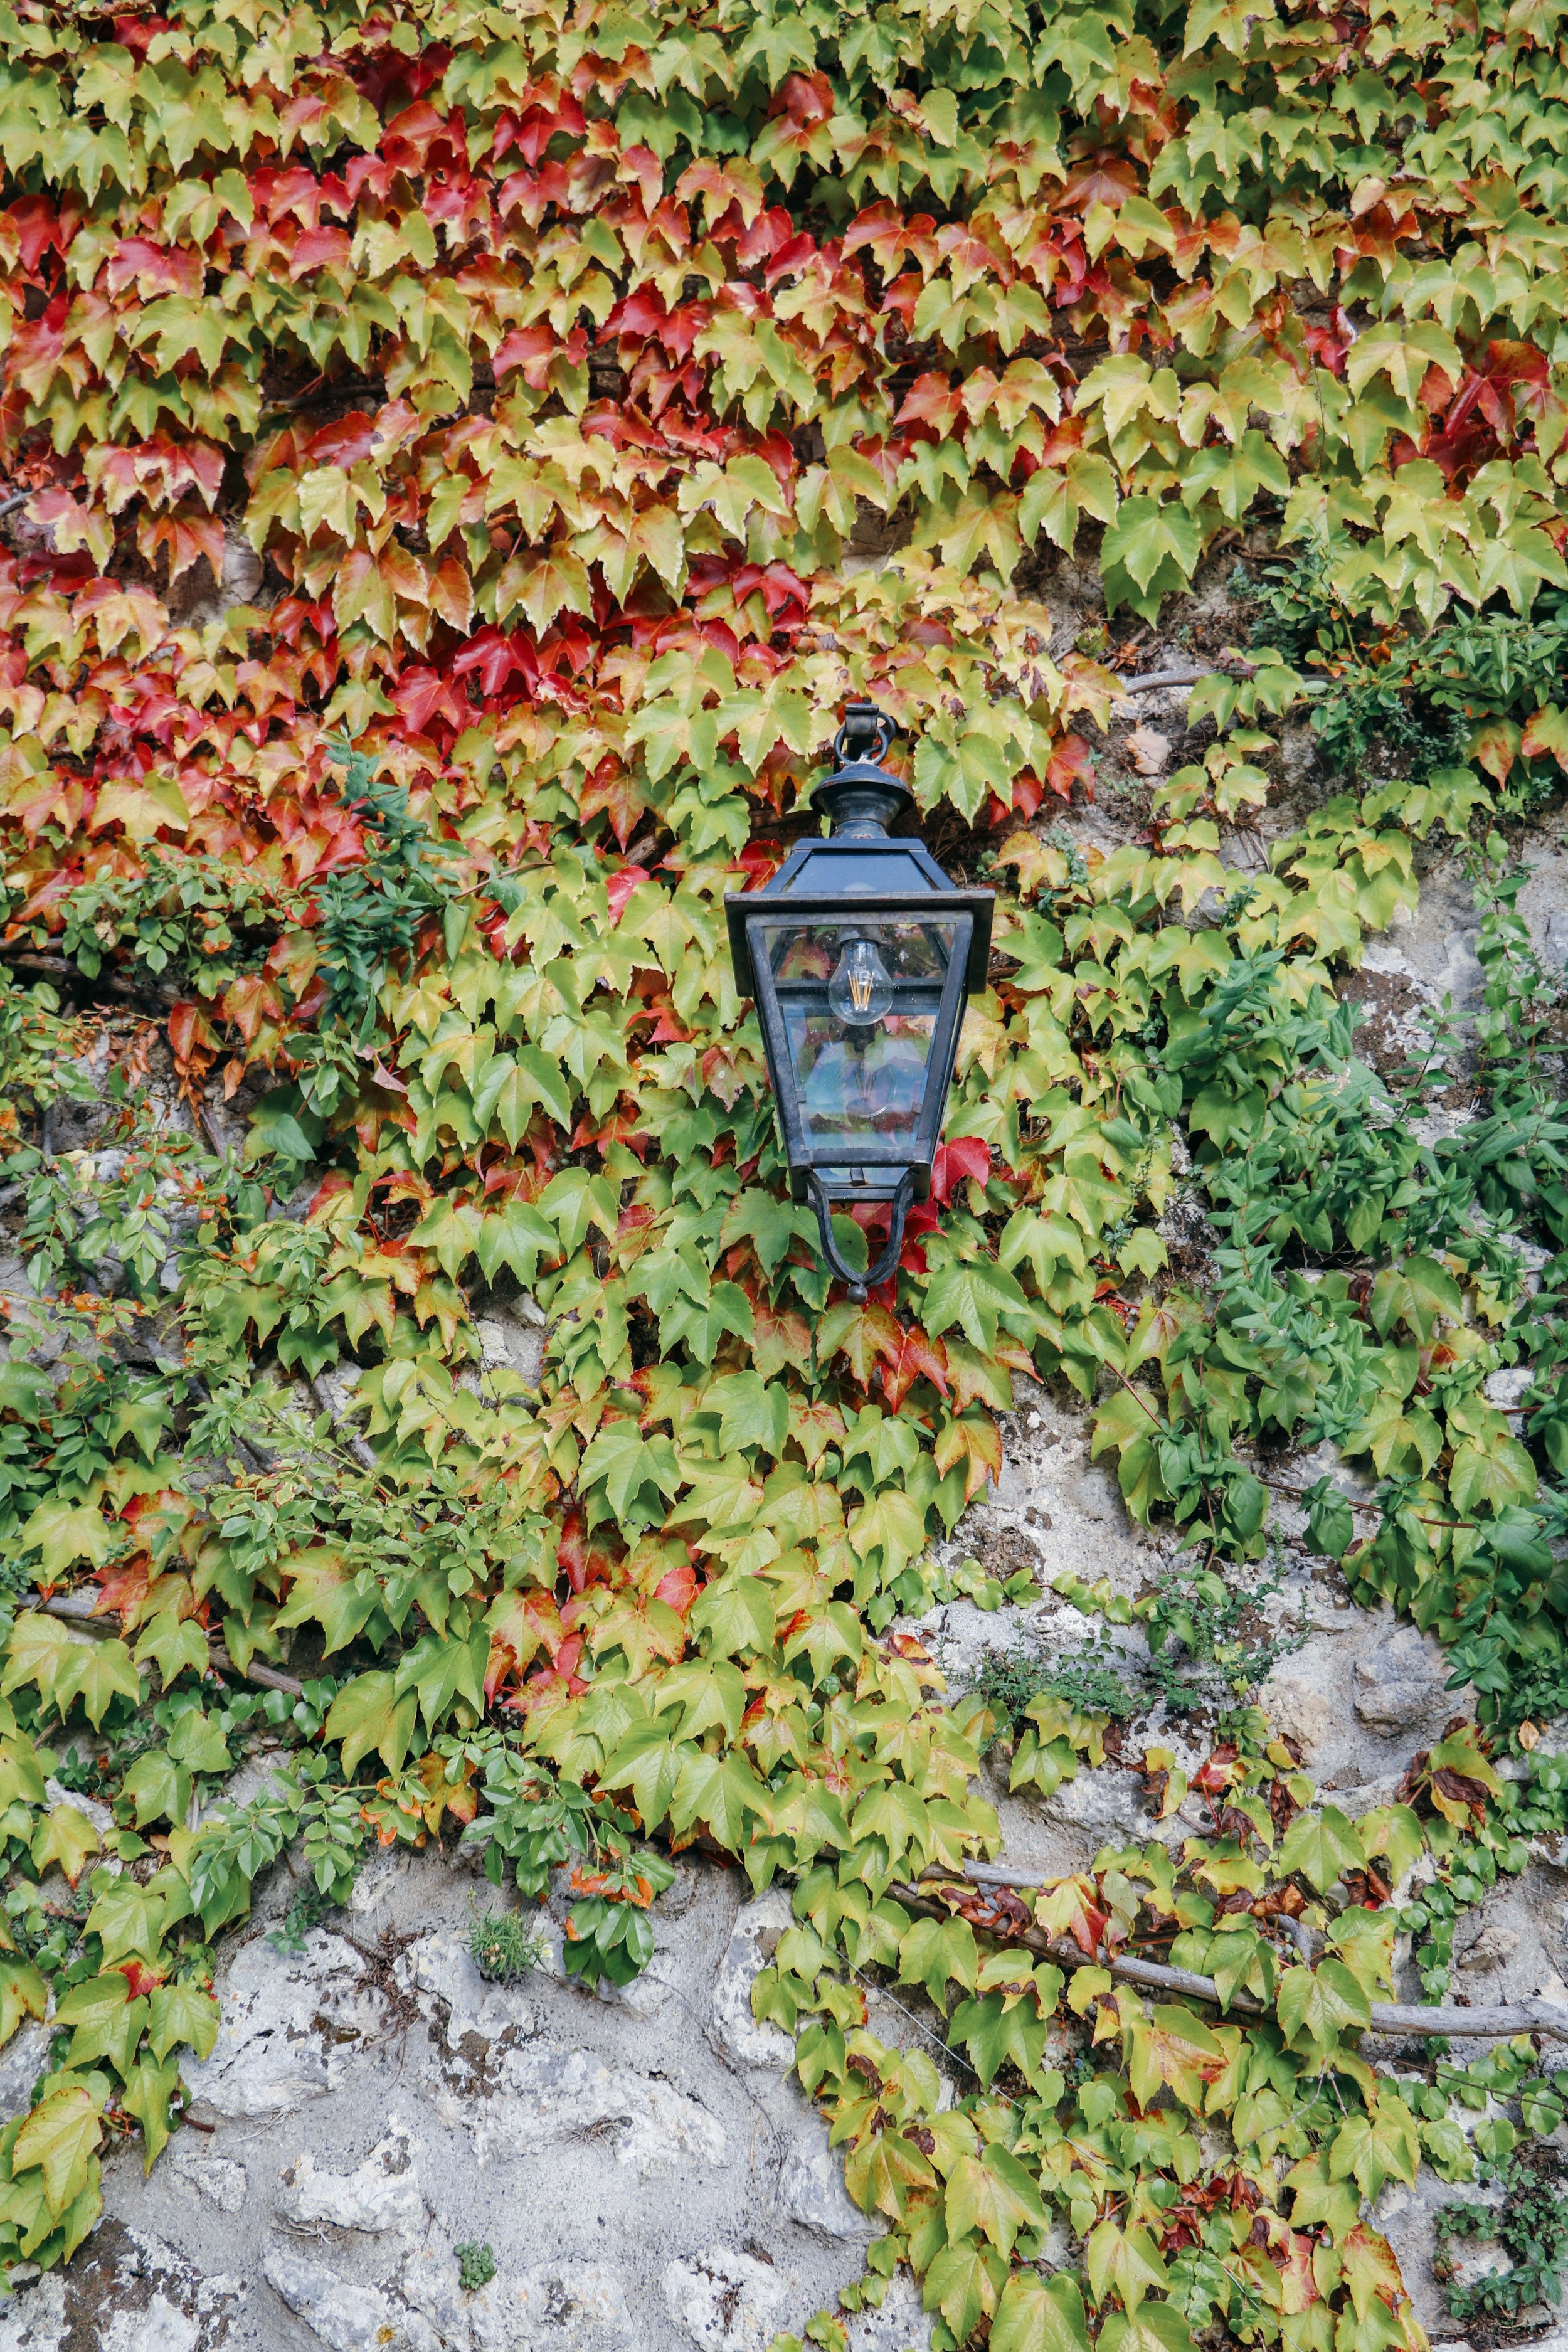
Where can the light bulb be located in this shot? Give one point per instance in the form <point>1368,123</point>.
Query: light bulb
<point>859,991</point>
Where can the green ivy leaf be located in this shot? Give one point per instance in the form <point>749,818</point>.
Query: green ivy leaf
<point>1037,2315</point>
<point>370,1713</point>
<point>1323,1844</point>
<point>66,1837</point>
<point>972,1295</point>
<point>59,2136</point>
<point>181,2012</point>
<point>993,2193</point>
<point>147,2096</point>
<point>1315,2004</point>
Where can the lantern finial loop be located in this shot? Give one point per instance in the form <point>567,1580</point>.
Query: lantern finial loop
<point>859,1283</point>
<point>867,733</point>
<point>860,799</point>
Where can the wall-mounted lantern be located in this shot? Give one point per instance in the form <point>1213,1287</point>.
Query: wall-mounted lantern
<point>861,955</point>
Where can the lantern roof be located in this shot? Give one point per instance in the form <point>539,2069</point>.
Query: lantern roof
<point>859,868</point>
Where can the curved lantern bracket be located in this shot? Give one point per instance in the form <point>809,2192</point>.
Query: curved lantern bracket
<point>859,1283</point>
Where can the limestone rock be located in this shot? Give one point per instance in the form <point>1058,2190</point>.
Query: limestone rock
<point>513,1343</point>
<point>570,2306</point>
<point>1506,1389</point>
<point>383,2192</point>
<point>124,2290</point>
<point>648,1991</point>
<point>901,2326</point>
<point>751,1946</point>
<point>725,2301</point>
<point>442,1969</point>
<point>1099,1806</point>
<point>162,2326</point>
<point>33,2317</point>
<point>1407,2217</point>
<point>959,1636</point>
<point>1299,1711</point>
<point>1399,1688</point>
<point>22,2061</point>
<point>286,2025</point>
<point>560,2307</point>
<point>221,2183</point>
<point>553,2094</point>
<point>347,2315</point>
<point>1492,1949</point>
<point>812,2191</point>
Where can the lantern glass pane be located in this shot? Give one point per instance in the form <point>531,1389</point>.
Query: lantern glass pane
<point>908,950</point>
<point>860,1083</point>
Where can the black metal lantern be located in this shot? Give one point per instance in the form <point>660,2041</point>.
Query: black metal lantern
<point>861,955</point>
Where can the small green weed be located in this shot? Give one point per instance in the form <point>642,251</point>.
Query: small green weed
<point>306,1911</point>
<point>503,1946</point>
<point>1198,1612</point>
<point>1531,2224</point>
<point>1092,1678</point>
<point>476,2263</point>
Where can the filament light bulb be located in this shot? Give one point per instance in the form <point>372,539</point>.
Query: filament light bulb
<point>859,992</point>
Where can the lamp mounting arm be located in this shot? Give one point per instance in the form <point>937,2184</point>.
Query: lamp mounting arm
<point>859,1283</point>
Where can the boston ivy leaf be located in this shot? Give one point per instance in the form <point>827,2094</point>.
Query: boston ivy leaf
<point>1377,2146</point>
<point>1037,2315</point>
<point>176,1644</point>
<point>128,1917</point>
<point>1146,536</point>
<point>1127,2259</point>
<point>23,1993</point>
<point>181,2012</point>
<point>1174,2048</point>
<point>993,2194</point>
<point>972,1295</point>
<point>157,1788</point>
<point>1314,2004</point>
<point>148,2092</point>
<point>1420,1294</point>
<point>197,1742</point>
<point>725,1794</point>
<point>108,2021</point>
<point>443,1671</point>
<point>995,2035</point>
<point>66,1837</point>
<point>737,1613</point>
<point>1490,1477</point>
<point>770,1224</point>
<point>1153,2327</point>
<point>59,2136</point>
<point>933,1952</point>
<point>64,1533</point>
<point>1321,1845</point>
<point>751,1411</point>
<point>647,1762</point>
<point>963,2283</point>
<point>369,1713</point>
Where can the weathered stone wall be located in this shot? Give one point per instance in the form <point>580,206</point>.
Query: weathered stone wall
<point>649,2176</point>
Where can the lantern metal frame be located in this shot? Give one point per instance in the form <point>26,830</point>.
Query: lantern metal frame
<point>840,875</point>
